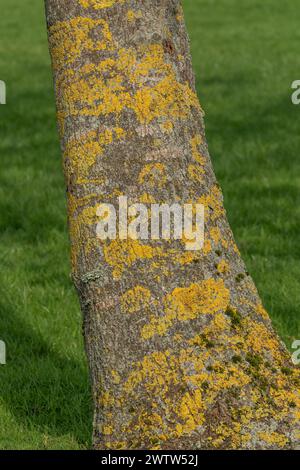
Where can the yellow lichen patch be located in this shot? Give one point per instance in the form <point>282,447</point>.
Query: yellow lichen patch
<point>153,174</point>
<point>236,249</point>
<point>187,257</point>
<point>173,383</point>
<point>107,430</point>
<point>115,377</point>
<point>233,376</point>
<point>234,434</point>
<point>225,244</point>
<point>147,198</point>
<point>208,297</point>
<point>135,299</point>
<point>168,98</point>
<point>133,15</point>
<point>119,83</point>
<point>178,338</point>
<point>223,432</point>
<point>179,392</point>
<point>90,95</point>
<point>190,413</point>
<point>207,247</point>
<point>106,399</point>
<point>154,425</point>
<point>167,126</point>
<point>262,311</point>
<point>117,445</point>
<point>69,39</point>
<point>99,4</point>
<point>165,258</point>
<point>80,219</point>
<point>213,201</point>
<point>186,303</point>
<point>260,339</point>
<point>223,266</point>
<point>219,322</point>
<point>82,151</point>
<point>218,329</point>
<point>275,438</point>
<point>283,395</point>
<point>196,173</point>
<point>80,154</point>
<point>158,372</point>
<point>157,369</point>
<point>195,142</point>
<point>123,253</point>
<point>215,235</point>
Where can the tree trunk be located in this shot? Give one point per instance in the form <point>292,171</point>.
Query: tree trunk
<point>181,352</point>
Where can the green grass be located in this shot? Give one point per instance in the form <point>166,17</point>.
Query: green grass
<point>245,57</point>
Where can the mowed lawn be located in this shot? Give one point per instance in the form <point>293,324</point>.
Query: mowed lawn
<point>246,55</point>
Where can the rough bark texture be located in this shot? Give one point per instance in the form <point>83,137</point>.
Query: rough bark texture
<point>181,352</point>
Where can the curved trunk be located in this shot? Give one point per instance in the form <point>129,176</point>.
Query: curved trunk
<point>181,352</point>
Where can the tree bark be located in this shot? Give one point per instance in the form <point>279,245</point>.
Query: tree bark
<point>182,354</point>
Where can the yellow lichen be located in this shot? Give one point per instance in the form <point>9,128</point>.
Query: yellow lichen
<point>196,173</point>
<point>186,303</point>
<point>69,39</point>
<point>215,235</point>
<point>207,247</point>
<point>153,174</point>
<point>190,412</point>
<point>147,198</point>
<point>115,376</point>
<point>277,439</point>
<point>123,253</point>
<point>107,430</point>
<point>133,15</point>
<point>99,4</point>
<point>262,311</point>
<point>195,142</point>
<point>213,201</point>
<point>223,266</point>
<point>208,297</point>
<point>167,126</point>
<point>135,299</point>
<point>82,151</point>
<point>99,89</point>
<point>81,219</point>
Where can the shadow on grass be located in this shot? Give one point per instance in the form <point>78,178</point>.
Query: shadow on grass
<point>42,389</point>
